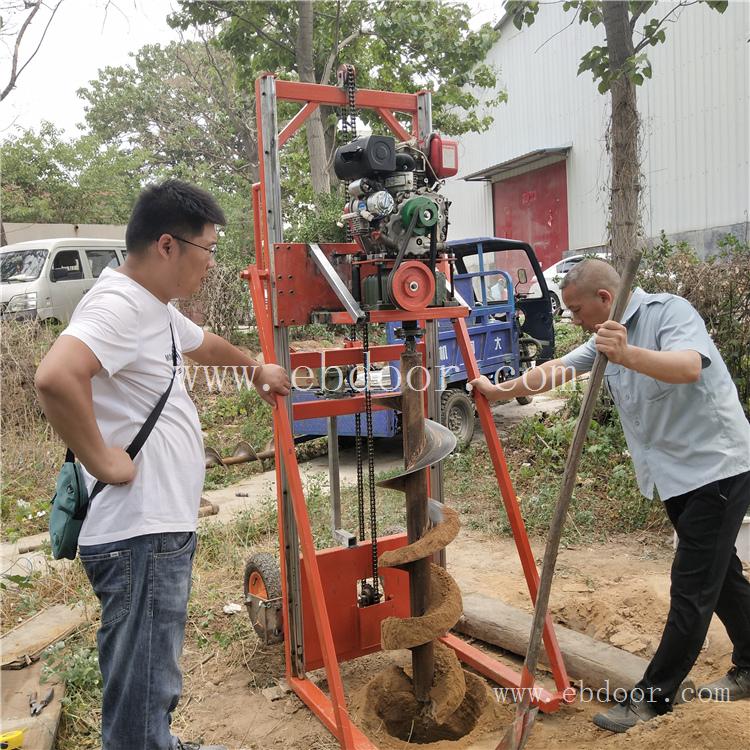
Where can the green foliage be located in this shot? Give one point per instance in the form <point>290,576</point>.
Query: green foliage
<point>77,665</point>
<point>396,46</point>
<point>47,178</point>
<point>606,499</point>
<point>567,337</point>
<point>30,458</point>
<point>228,417</point>
<point>181,106</point>
<point>319,221</point>
<point>635,67</point>
<point>719,289</point>
<point>219,543</point>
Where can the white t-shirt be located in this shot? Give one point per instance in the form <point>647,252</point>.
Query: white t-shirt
<point>127,328</point>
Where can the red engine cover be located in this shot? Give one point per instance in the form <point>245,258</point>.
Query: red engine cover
<point>443,155</point>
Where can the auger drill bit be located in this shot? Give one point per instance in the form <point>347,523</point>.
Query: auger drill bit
<point>435,598</point>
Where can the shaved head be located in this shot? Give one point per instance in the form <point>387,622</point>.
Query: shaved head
<point>588,291</point>
<point>591,275</point>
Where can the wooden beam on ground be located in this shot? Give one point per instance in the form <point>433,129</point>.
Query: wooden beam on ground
<point>595,663</point>
<point>15,715</point>
<point>23,645</point>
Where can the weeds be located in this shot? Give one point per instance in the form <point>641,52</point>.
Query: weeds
<point>568,337</point>
<point>76,663</point>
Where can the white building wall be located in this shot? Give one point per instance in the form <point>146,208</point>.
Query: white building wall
<point>695,111</point>
<point>470,213</point>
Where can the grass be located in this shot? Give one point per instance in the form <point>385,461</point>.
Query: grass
<point>606,500</point>
<point>568,336</point>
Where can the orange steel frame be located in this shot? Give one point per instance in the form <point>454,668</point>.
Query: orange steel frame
<point>335,628</point>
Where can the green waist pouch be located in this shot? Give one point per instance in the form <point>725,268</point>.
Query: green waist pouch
<point>69,507</point>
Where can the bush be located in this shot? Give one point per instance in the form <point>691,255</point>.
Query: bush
<point>719,289</point>
<point>30,453</point>
<point>22,346</point>
<point>223,301</point>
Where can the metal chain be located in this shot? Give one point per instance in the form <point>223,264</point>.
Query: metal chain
<point>360,472</point>
<point>349,133</point>
<point>371,462</point>
<point>348,116</point>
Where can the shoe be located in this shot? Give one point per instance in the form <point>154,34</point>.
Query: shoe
<point>625,715</point>
<point>198,746</point>
<point>685,693</point>
<point>734,686</point>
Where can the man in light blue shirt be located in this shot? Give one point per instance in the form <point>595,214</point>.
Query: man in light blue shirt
<point>690,440</point>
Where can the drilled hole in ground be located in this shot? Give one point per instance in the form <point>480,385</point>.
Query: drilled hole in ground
<point>399,713</point>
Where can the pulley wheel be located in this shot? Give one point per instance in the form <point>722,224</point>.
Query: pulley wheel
<point>412,286</point>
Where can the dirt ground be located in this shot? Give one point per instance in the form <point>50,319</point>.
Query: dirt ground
<point>617,592</point>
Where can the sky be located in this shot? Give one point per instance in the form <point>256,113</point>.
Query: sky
<point>86,36</point>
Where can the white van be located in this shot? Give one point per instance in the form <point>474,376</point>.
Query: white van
<point>46,279</point>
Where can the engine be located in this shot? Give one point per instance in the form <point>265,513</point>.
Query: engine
<point>394,207</point>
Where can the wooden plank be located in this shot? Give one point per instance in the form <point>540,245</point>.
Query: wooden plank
<point>595,663</point>
<point>26,641</point>
<point>40,731</point>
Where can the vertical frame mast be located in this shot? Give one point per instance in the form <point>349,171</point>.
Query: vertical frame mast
<point>270,175</point>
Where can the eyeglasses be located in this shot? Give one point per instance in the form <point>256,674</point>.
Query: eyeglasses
<point>210,249</point>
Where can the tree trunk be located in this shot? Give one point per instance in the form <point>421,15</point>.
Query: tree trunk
<point>624,227</point>
<point>314,127</point>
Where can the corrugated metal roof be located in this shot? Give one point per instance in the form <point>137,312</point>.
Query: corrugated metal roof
<point>518,163</point>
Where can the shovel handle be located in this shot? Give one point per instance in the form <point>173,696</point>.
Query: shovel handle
<point>568,482</point>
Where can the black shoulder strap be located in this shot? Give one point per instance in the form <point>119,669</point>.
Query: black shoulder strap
<point>138,441</point>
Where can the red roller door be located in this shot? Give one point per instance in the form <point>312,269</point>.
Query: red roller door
<point>533,207</point>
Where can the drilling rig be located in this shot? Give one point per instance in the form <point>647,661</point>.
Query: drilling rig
<point>373,592</point>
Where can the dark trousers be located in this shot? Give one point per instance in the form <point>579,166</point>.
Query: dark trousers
<point>706,578</point>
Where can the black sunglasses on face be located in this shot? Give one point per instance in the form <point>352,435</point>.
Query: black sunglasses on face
<point>210,249</point>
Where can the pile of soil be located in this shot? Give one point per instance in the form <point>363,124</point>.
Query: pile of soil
<point>388,712</point>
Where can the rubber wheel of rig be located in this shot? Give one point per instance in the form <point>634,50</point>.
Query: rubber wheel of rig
<point>457,410</point>
<point>263,579</point>
<point>524,400</point>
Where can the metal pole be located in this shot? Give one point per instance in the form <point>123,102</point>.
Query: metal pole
<point>432,336</point>
<point>412,414</point>
<point>334,480</point>
<point>275,233</point>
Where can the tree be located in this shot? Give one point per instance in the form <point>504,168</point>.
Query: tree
<point>16,21</point>
<point>182,107</point>
<point>50,180</point>
<point>401,46</point>
<point>619,66</point>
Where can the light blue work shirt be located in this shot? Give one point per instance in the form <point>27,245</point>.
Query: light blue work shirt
<point>681,436</point>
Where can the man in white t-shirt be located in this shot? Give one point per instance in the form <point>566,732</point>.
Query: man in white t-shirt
<point>98,384</point>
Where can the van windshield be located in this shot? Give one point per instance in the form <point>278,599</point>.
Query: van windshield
<point>21,265</point>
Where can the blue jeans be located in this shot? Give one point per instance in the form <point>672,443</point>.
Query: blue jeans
<point>143,585</point>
